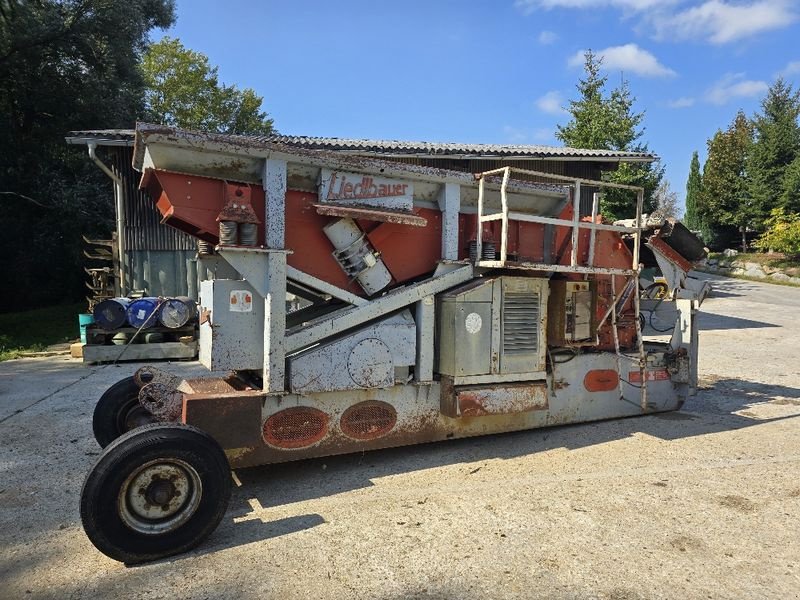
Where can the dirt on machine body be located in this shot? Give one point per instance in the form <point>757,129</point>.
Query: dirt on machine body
<point>435,305</point>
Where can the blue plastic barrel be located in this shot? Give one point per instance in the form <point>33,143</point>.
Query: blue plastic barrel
<point>176,312</point>
<point>140,312</point>
<point>111,313</point>
<point>84,319</point>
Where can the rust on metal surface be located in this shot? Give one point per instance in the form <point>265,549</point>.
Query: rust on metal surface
<point>149,374</point>
<point>501,399</point>
<point>601,380</point>
<point>238,206</point>
<point>368,420</point>
<point>371,214</point>
<point>670,253</point>
<point>162,401</point>
<point>233,419</point>
<point>296,427</point>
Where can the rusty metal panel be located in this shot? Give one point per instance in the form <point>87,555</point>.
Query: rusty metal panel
<point>371,214</point>
<point>232,418</point>
<point>501,400</point>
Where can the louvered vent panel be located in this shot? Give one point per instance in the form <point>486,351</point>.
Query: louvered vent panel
<point>520,323</point>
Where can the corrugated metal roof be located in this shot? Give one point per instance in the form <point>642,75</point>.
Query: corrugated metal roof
<point>387,147</point>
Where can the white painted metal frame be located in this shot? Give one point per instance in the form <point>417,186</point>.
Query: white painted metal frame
<point>575,224</point>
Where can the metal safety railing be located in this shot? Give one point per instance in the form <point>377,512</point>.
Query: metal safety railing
<point>575,225</point>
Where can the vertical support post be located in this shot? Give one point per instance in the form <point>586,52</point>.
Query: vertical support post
<point>686,336</point>
<point>576,219</point>
<point>504,222</point>
<point>637,237</point>
<point>274,182</point>
<point>450,205</point>
<point>593,232</point>
<point>479,233</point>
<point>425,319</point>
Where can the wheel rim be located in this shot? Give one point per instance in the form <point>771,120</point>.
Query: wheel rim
<point>133,415</point>
<point>160,496</point>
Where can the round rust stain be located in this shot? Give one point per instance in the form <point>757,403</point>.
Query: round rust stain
<point>368,420</point>
<point>601,380</point>
<point>295,427</point>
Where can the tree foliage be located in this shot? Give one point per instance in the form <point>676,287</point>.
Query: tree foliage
<point>776,144</point>
<point>64,65</point>
<point>724,198</point>
<point>694,186</point>
<point>184,90</point>
<point>790,198</point>
<point>782,233</point>
<point>607,120</point>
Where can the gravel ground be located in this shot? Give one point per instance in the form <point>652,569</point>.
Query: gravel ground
<point>703,503</point>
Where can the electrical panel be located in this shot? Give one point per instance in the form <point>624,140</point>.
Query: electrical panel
<point>571,307</point>
<point>493,327</point>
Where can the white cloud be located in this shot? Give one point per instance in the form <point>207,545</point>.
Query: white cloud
<point>514,135</point>
<point>734,85</point>
<point>551,103</point>
<point>713,21</point>
<point>683,102</point>
<point>528,6</point>
<point>544,135</point>
<point>547,37</point>
<point>628,58</point>
<point>721,22</point>
<point>793,68</point>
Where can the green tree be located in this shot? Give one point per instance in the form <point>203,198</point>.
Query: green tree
<point>184,90</point>
<point>790,198</point>
<point>724,199</point>
<point>64,65</point>
<point>608,121</point>
<point>782,233</point>
<point>694,187</point>
<point>776,145</point>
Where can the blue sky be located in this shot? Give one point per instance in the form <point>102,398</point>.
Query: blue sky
<point>497,71</point>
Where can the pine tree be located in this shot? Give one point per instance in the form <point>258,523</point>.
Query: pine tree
<point>790,199</point>
<point>607,121</point>
<point>724,199</point>
<point>777,144</point>
<point>693,191</point>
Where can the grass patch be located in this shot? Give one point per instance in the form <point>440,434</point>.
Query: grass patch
<point>34,330</point>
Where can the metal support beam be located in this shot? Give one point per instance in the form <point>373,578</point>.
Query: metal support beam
<point>425,318</point>
<point>576,220</point>
<point>274,182</point>
<point>449,205</point>
<point>348,318</point>
<point>275,195</point>
<point>323,286</point>
<point>275,324</point>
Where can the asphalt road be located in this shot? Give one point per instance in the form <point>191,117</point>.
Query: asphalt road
<point>703,503</point>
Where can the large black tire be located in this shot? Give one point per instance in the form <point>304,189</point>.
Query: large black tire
<point>156,491</point>
<point>118,411</point>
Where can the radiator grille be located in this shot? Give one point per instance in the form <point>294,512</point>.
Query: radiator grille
<point>520,323</point>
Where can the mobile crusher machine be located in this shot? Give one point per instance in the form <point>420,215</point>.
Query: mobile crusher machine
<point>439,305</point>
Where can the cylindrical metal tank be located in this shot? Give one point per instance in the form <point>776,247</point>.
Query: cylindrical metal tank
<point>140,312</point>
<point>176,312</point>
<point>356,256</point>
<point>112,313</point>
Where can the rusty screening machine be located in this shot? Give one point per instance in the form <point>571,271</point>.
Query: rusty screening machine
<point>437,305</point>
